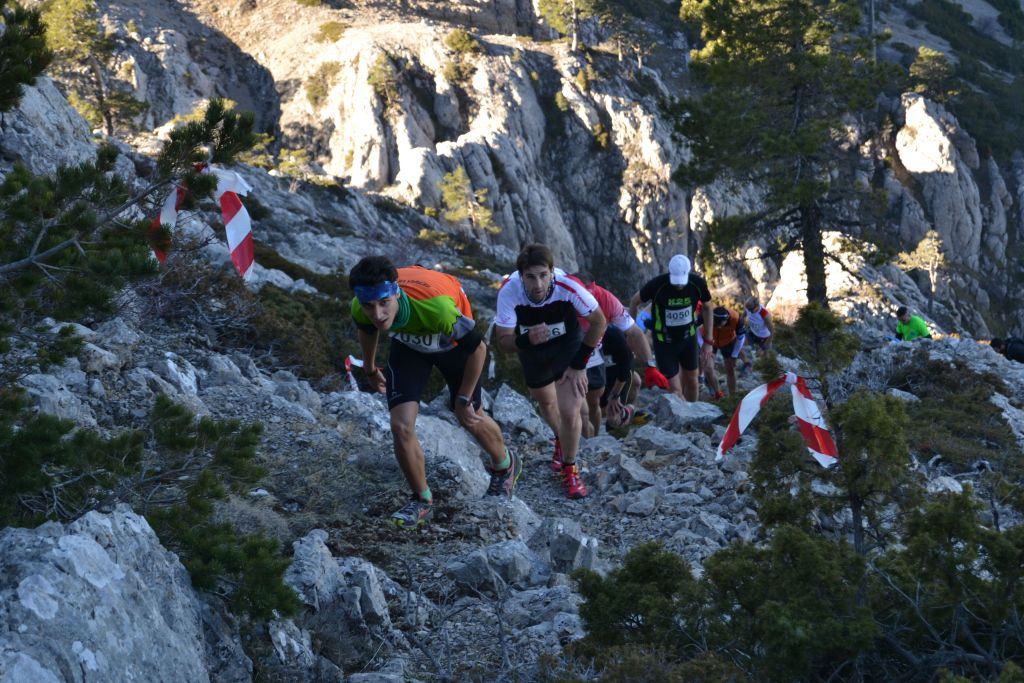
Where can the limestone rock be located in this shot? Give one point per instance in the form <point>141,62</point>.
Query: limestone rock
<point>96,599</point>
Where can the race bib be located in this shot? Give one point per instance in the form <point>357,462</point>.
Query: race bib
<point>556,329</point>
<point>675,317</point>
<point>426,343</point>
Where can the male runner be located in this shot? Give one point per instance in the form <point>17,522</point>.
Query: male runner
<point>760,328</point>
<point>910,327</point>
<point>431,325</point>
<point>616,367</point>
<point>536,317</point>
<point>674,296</point>
<point>729,337</point>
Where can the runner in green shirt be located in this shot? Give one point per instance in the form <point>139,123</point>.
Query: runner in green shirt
<point>910,327</point>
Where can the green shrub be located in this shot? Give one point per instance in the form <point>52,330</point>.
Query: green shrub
<point>248,568</point>
<point>457,72</point>
<point>331,31</point>
<point>582,81</point>
<point>561,102</point>
<point>462,42</point>
<point>310,333</point>
<point>310,3</point>
<point>318,85</point>
<point>51,470</point>
<point>955,420</point>
<point>383,78</point>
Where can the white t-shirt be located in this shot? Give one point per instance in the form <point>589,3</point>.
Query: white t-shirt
<point>566,299</point>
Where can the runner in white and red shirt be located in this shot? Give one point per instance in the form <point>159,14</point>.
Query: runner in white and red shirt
<point>760,328</point>
<point>537,318</point>
<point>609,381</point>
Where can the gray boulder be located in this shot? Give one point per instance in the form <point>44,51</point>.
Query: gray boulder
<point>99,599</point>
<point>516,413</point>
<point>54,397</point>
<point>508,563</point>
<point>675,414</point>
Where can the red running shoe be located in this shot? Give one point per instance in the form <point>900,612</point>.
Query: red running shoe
<point>556,459</point>
<point>574,487</point>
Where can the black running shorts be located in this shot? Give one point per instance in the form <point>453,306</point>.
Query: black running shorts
<point>670,356</point>
<point>595,377</point>
<point>545,364</point>
<point>408,371</point>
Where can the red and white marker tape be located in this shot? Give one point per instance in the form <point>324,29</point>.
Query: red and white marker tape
<point>236,219</point>
<point>808,418</point>
<point>350,362</point>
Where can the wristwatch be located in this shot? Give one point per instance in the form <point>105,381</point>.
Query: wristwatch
<point>463,400</point>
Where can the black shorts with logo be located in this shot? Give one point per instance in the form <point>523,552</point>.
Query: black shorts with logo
<point>408,371</point>
<point>545,364</point>
<point>671,355</point>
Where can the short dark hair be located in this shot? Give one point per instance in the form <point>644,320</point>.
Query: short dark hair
<point>535,255</point>
<point>901,311</point>
<point>720,315</point>
<point>997,343</point>
<point>372,270</point>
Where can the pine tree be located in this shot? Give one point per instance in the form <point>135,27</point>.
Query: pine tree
<point>928,257</point>
<point>65,242</point>
<point>780,75</point>
<point>84,54</point>
<point>463,203</point>
<point>932,74</point>
<point>23,52</point>
<point>565,16</point>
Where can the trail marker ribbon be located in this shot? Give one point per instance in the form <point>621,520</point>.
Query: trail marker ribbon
<point>808,418</point>
<point>350,362</point>
<point>236,219</point>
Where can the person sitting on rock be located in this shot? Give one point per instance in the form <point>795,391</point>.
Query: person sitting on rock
<point>431,325</point>
<point>1011,347</point>
<point>910,327</point>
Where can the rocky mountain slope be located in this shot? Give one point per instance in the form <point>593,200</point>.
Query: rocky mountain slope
<point>483,590</point>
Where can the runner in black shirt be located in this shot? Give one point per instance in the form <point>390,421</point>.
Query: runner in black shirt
<point>674,296</point>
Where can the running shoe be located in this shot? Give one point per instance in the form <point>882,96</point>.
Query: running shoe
<point>719,395</point>
<point>556,459</point>
<point>415,512</point>
<point>641,417</point>
<point>574,487</point>
<point>503,482</point>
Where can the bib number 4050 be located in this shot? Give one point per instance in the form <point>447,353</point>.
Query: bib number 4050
<point>678,316</point>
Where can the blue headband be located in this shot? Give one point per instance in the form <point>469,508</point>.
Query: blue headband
<point>368,293</point>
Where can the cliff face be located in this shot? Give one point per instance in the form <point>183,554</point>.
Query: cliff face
<point>569,150</point>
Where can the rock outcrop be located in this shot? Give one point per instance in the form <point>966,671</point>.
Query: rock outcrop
<point>101,599</point>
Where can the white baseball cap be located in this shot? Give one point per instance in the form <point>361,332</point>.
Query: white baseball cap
<point>679,270</point>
